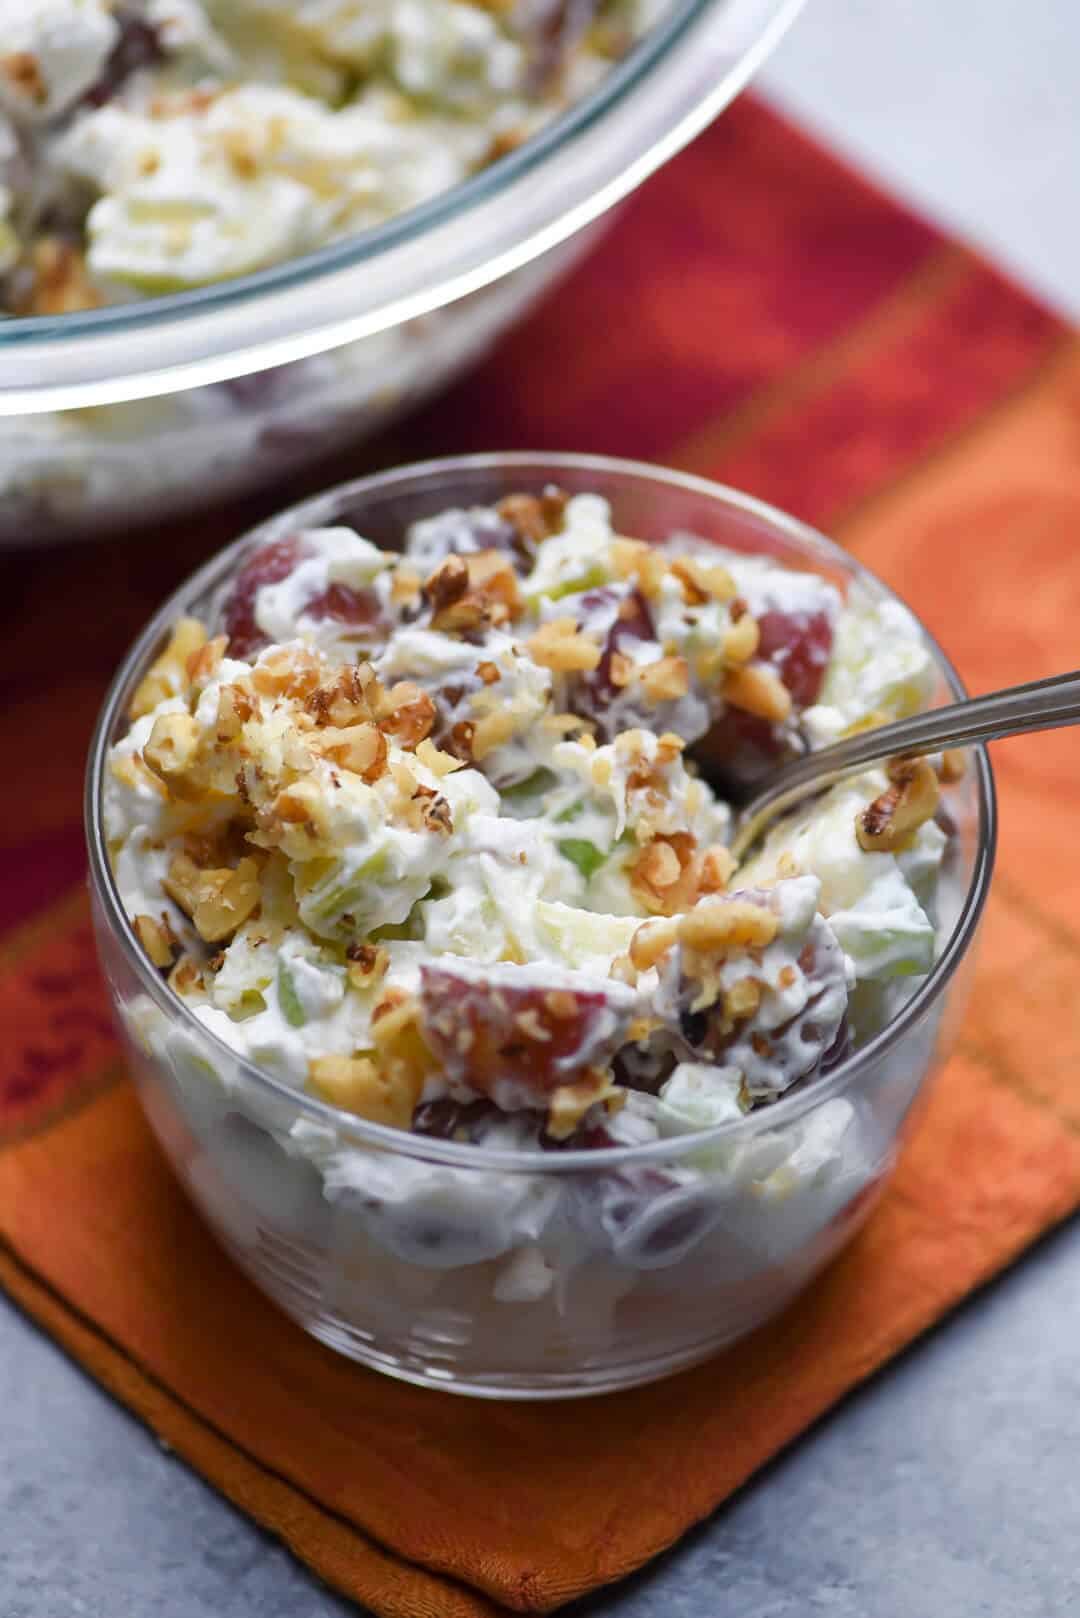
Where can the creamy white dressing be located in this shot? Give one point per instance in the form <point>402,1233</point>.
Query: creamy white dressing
<point>530,887</point>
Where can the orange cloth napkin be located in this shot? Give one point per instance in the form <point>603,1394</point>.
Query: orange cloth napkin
<point>788,329</point>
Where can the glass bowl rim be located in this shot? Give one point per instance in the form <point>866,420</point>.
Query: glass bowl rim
<point>625,75</point>
<point>789,1108</point>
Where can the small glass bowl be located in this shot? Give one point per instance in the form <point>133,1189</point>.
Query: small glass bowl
<point>506,1274</point>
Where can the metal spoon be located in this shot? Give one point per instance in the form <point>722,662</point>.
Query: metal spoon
<point>1040,705</point>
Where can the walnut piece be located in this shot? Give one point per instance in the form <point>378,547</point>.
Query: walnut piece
<point>633,559</point>
<point>651,942</point>
<point>758,690</point>
<point>666,680</point>
<point>665,878</point>
<point>366,965</point>
<point>350,697</point>
<point>727,926</point>
<point>953,765</point>
<point>360,748</point>
<point>740,640</point>
<point>438,762</point>
<point>570,1102</point>
<point>226,900</point>
<point>407,713</point>
<point>287,671</point>
<point>702,581</point>
<point>491,732</point>
<point>60,284</point>
<point>560,646</point>
<point>171,750</point>
<point>535,518</point>
<point>356,1084</point>
<point>157,939</point>
<point>168,674</point>
<point>910,799</point>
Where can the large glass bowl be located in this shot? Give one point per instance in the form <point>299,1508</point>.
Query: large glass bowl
<point>122,413</point>
<point>502,1273</point>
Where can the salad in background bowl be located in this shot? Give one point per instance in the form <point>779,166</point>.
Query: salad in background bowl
<point>409,821</point>
<point>237,233</point>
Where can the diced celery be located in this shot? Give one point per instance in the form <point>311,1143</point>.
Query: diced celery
<point>249,1004</point>
<point>578,935</point>
<point>412,927</point>
<point>532,786</point>
<point>588,580</point>
<point>586,856</point>
<point>348,894</point>
<point>288,999</point>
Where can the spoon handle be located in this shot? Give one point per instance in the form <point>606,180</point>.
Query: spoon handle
<point>1039,705</point>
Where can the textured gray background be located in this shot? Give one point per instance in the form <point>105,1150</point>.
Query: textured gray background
<point>946,1487</point>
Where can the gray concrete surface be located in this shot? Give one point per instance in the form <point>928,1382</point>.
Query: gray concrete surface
<point>946,1488</point>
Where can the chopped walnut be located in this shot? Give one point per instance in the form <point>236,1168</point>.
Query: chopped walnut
<point>666,680</point>
<point>203,664</point>
<point>406,713</point>
<point>438,762</point>
<point>623,970</point>
<point>235,708</point>
<point>742,999</point>
<point>665,877</point>
<point>59,283</point>
<point>131,771</point>
<point>559,645</point>
<point>633,559</point>
<point>659,866</point>
<point>218,901</point>
<point>601,771</point>
<point>702,581</point>
<point>186,976</point>
<point>362,749</point>
<point>168,675</point>
<point>287,671</point>
<point>366,965</point>
<point>400,1049</point>
<point>740,640</point>
<point>405,585</point>
<point>758,690</point>
<point>491,732</point>
<point>356,1084</point>
<point>722,927</point>
<point>564,724</point>
<point>536,518</point>
<point>352,696</point>
<point>171,751</point>
<point>620,669</point>
<point>911,798</point>
<point>953,765</point>
<point>294,821</point>
<point>570,1102</point>
<point>446,586</point>
<point>492,577</point>
<point>651,943</point>
<point>489,673</point>
<point>718,866</point>
<point>472,593</point>
<point>157,939</point>
<point>427,810</point>
<point>461,737</point>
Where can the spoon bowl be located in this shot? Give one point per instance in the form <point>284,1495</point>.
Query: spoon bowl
<point>1039,705</point>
